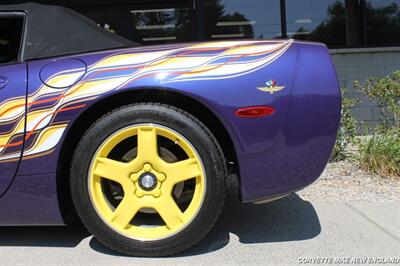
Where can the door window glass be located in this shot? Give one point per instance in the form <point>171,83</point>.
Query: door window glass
<point>10,37</point>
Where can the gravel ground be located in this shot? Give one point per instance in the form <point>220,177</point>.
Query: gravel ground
<point>344,181</point>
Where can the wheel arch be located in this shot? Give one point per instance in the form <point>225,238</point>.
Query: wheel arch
<point>138,95</point>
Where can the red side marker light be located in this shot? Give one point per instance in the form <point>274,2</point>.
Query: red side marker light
<point>255,111</point>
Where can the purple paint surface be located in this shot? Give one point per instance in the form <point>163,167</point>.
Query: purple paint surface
<point>276,155</point>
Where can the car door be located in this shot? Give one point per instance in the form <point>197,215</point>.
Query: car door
<point>13,85</point>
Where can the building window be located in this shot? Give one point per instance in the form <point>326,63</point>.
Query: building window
<point>233,19</point>
<point>337,23</point>
<point>162,25</point>
<point>383,22</point>
<point>345,23</point>
<point>317,20</point>
<point>145,24</point>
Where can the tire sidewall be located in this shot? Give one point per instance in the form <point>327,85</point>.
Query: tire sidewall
<point>189,127</point>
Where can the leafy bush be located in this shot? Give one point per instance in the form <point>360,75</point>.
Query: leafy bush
<point>381,153</point>
<point>386,93</point>
<point>347,131</point>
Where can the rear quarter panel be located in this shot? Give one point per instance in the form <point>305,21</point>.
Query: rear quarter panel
<point>304,143</point>
<point>225,81</point>
<point>276,154</point>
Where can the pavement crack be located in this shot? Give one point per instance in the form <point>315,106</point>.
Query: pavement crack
<point>351,207</point>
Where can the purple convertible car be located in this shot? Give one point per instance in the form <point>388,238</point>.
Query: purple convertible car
<point>138,141</point>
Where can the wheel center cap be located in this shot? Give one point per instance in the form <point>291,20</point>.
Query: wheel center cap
<point>147,181</point>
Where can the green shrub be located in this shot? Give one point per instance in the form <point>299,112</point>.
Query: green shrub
<point>381,153</point>
<point>347,130</point>
<point>386,93</point>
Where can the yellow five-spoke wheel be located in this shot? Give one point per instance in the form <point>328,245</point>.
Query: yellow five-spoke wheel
<point>148,180</point>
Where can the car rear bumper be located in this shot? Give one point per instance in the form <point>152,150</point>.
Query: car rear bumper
<point>304,142</point>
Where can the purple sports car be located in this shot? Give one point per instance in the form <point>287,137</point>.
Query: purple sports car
<point>137,142</point>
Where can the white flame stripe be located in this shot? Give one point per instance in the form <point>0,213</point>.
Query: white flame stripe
<point>215,75</point>
<point>47,140</point>
<point>162,64</point>
<point>66,72</point>
<point>232,45</point>
<point>213,72</point>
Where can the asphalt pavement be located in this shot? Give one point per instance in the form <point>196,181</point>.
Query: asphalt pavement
<point>286,232</point>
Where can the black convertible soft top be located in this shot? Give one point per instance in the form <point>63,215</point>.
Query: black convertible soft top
<point>54,31</point>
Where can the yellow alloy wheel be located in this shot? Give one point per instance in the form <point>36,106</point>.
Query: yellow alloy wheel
<point>150,193</point>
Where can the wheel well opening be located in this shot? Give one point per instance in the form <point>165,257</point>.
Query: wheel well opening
<point>86,119</point>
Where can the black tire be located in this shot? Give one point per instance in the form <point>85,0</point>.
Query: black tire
<point>193,130</point>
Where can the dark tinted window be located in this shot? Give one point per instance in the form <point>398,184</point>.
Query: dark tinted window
<point>383,22</point>
<point>233,19</point>
<point>337,23</point>
<point>10,37</point>
<point>317,20</point>
<point>145,25</point>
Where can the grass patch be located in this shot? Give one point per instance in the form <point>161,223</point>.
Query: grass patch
<point>380,154</point>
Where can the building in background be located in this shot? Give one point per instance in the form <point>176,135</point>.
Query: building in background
<point>363,35</point>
